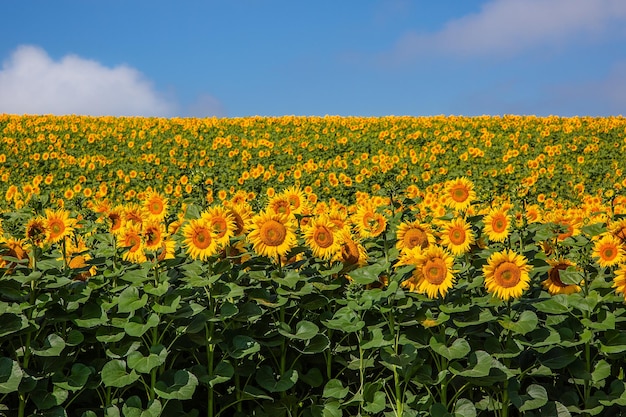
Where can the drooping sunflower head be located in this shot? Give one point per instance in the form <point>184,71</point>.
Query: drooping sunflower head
<point>116,219</point>
<point>497,225</point>
<point>241,214</point>
<point>413,234</point>
<point>608,250</point>
<point>199,239</point>
<point>352,252</point>
<point>272,234</point>
<point>553,283</point>
<point>58,225</point>
<point>322,237</point>
<point>459,194</point>
<point>153,233</point>
<point>507,274</point>
<point>223,223</point>
<point>457,236</point>
<point>155,206</point>
<point>36,230</point>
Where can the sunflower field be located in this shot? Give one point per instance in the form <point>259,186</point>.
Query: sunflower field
<point>312,266</point>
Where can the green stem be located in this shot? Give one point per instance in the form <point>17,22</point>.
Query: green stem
<point>210,370</point>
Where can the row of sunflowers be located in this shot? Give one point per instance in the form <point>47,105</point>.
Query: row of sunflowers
<point>428,302</point>
<point>69,157</point>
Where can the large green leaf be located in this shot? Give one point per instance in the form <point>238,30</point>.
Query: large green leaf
<point>179,385</point>
<point>114,374</point>
<point>129,300</point>
<point>144,364</point>
<point>265,378</point>
<point>305,330</point>
<point>458,349</point>
<point>52,345</point>
<point>10,375</point>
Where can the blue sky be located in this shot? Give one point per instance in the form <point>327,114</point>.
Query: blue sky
<point>236,58</point>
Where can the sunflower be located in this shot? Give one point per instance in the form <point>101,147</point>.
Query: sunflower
<point>155,206</point>
<point>321,236</point>
<point>116,219</point>
<point>618,229</point>
<point>459,194</point>
<point>167,249</point>
<point>222,224</point>
<point>433,274</point>
<point>241,214</point>
<point>199,239</point>
<point>507,274</point>
<point>58,225</point>
<point>13,248</point>
<point>532,213</point>
<point>296,198</point>
<point>497,225</point>
<point>130,238</point>
<point>457,236</point>
<point>368,221</point>
<point>133,213</point>
<point>352,252</point>
<point>36,230</point>
<point>553,284</point>
<point>279,204</point>
<point>271,234</point>
<point>608,250</point>
<point>412,234</point>
<point>619,281</point>
<point>153,233</point>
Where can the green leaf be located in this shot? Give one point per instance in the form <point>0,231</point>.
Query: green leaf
<point>243,346</point>
<point>133,407</point>
<point>136,276</point>
<point>318,344</point>
<point>313,377</point>
<point>334,389</point>
<point>144,364</point>
<point>77,379</point>
<point>346,320</point>
<point>377,404</point>
<point>305,330</point>
<point>479,365</point>
<point>136,327</point>
<point>223,372</point>
<point>554,305</point>
<point>266,379</point>
<point>536,397</point>
<point>93,315</point>
<point>527,322</point>
<point>53,345</point>
<point>46,400</point>
<point>601,371</point>
<point>129,301</point>
<point>464,408</point>
<point>12,323</point>
<point>114,374</point>
<point>558,357</point>
<point>614,341</point>
<point>459,348</point>
<point>368,274</point>
<point>10,375</point>
<point>179,385</point>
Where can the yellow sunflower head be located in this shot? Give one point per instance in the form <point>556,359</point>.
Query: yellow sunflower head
<point>241,214</point>
<point>58,225</point>
<point>608,250</point>
<point>153,233</point>
<point>272,234</point>
<point>619,281</point>
<point>459,194</point>
<point>36,230</point>
<point>497,225</point>
<point>130,238</point>
<point>433,274</point>
<point>321,235</point>
<point>618,229</point>
<point>222,223</point>
<point>296,198</point>
<point>368,221</point>
<point>457,236</point>
<point>413,234</point>
<point>199,239</point>
<point>14,248</point>
<point>352,252</point>
<point>155,206</point>
<point>553,284</point>
<point>507,274</point>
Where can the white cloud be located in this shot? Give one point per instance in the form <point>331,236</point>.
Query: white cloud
<point>32,83</point>
<point>506,27</point>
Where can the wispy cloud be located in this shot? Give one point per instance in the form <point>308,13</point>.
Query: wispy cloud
<point>33,83</point>
<point>507,27</point>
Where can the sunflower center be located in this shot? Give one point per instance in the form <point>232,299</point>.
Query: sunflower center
<point>273,233</point>
<point>294,201</point>
<point>153,236</point>
<point>507,274</point>
<point>133,242</point>
<point>608,252</point>
<point>555,276</point>
<point>373,223</point>
<point>219,226</point>
<point>282,207</point>
<point>459,193</point>
<point>56,228</point>
<point>415,237</point>
<point>498,224</point>
<point>435,271</point>
<point>202,239</point>
<point>156,207</point>
<point>457,236</point>
<point>323,237</point>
